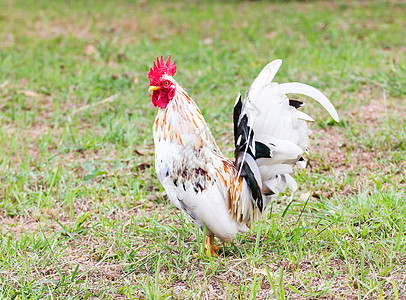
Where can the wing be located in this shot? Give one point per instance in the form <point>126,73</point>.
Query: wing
<point>211,205</point>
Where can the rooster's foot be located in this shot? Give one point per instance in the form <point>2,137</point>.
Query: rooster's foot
<point>209,245</point>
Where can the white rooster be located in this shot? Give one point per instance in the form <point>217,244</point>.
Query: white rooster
<point>270,134</point>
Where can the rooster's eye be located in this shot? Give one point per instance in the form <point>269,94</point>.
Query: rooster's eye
<point>166,83</point>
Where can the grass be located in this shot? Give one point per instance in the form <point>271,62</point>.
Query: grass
<point>83,215</point>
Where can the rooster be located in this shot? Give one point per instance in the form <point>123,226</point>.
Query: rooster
<point>226,196</point>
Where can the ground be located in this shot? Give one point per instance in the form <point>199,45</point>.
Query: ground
<point>82,212</point>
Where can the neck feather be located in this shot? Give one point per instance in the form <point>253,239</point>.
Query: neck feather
<point>180,120</point>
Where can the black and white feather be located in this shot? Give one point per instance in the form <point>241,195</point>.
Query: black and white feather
<point>271,134</point>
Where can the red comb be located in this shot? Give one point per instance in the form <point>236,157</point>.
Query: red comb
<point>161,68</point>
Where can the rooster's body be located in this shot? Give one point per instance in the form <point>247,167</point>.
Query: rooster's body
<point>270,135</point>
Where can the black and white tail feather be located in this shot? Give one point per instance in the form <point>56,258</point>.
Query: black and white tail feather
<point>270,134</point>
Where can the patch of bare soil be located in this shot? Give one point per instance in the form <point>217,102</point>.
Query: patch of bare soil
<point>376,110</point>
<point>339,157</point>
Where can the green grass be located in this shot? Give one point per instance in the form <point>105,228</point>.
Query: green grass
<point>82,212</point>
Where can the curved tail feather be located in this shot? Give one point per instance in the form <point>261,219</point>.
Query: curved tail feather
<point>307,90</point>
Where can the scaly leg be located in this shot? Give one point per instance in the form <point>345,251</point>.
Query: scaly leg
<point>210,246</point>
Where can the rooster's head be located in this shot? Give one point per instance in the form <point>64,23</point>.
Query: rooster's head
<point>161,82</point>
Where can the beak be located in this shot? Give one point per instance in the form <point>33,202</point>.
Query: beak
<point>153,88</point>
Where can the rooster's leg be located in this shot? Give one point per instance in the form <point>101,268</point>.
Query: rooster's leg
<point>209,245</point>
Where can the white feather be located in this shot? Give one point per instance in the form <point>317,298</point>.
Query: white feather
<point>290,182</point>
<point>301,164</point>
<point>210,208</point>
<point>307,90</point>
<point>301,115</point>
<point>264,77</point>
<point>281,150</point>
<point>268,171</point>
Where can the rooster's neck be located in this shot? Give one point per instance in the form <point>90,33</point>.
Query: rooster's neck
<point>181,122</point>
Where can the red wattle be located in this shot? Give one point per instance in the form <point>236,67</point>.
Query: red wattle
<point>155,97</point>
<point>161,98</point>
